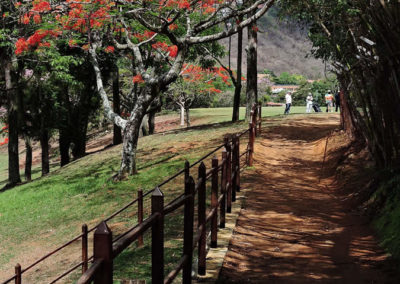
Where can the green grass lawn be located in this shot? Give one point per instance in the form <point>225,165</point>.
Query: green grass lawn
<point>39,216</point>
<point>225,114</point>
<point>205,115</point>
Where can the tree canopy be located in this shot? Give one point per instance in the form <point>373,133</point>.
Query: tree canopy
<point>154,38</point>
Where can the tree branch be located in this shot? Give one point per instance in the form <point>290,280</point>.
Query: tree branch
<point>109,113</point>
<point>233,30</point>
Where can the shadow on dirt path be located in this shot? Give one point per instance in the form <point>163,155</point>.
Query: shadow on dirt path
<point>295,226</point>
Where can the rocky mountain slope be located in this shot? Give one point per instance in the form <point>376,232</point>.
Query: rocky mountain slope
<point>282,46</point>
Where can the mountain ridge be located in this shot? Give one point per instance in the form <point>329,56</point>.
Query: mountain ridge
<point>283,46</point>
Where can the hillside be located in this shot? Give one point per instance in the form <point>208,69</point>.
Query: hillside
<point>282,46</point>
<point>39,216</point>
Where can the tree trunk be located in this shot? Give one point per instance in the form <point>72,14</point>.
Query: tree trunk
<point>346,119</point>
<point>79,125</point>
<point>44,143</point>
<point>251,87</point>
<point>182,114</point>
<point>187,118</point>
<point>144,126</point>
<point>79,139</point>
<point>152,122</point>
<point>64,144</point>
<point>238,86</point>
<point>28,159</point>
<point>117,137</point>
<point>129,145</point>
<point>13,156</point>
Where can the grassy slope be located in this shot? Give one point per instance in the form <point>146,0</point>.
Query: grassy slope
<point>387,221</point>
<point>41,215</point>
<point>205,115</point>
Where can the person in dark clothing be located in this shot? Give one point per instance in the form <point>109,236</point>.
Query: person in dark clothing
<point>337,101</point>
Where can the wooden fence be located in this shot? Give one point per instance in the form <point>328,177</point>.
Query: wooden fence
<point>224,176</point>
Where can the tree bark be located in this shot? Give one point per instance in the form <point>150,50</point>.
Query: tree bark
<point>13,156</point>
<point>64,144</point>
<point>251,87</point>
<point>79,122</point>
<point>238,86</point>
<point>144,126</point>
<point>182,114</point>
<point>28,159</point>
<point>346,119</point>
<point>79,138</point>
<point>187,118</point>
<point>44,143</point>
<point>152,122</point>
<point>117,137</point>
<point>130,142</point>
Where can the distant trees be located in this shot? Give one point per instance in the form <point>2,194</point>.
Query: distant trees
<point>285,78</point>
<point>361,39</point>
<point>317,88</point>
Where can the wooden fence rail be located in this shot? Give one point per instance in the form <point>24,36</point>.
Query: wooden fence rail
<point>225,182</point>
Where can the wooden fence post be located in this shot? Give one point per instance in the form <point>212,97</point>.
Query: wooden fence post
<point>233,168</point>
<point>157,237</point>
<point>140,215</point>
<point>251,144</point>
<point>187,170</point>
<point>84,248</point>
<point>201,215</point>
<point>223,189</point>
<point>18,274</point>
<point>188,230</point>
<point>102,250</point>
<point>228,175</point>
<point>214,202</point>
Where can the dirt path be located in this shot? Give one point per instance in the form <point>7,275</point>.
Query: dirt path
<point>296,226</point>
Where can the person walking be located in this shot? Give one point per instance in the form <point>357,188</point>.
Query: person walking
<point>309,101</point>
<point>337,101</point>
<point>328,101</point>
<point>288,98</point>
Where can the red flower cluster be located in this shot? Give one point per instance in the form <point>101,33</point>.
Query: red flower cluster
<point>41,6</point>
<point>4,129</point>
<point>195,73</point>
<point>109,49</point>
<point>138,79</point>
<point>214,90</point>
<point>34,40</point>
<point>172,50</point>
<point>181,4</point>
<point>4,142</point>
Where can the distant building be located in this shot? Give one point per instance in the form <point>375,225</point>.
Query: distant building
<point>279,88</point>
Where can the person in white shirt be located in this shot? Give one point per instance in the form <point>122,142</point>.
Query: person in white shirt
<point>288,99</point>
<point>309,103</point>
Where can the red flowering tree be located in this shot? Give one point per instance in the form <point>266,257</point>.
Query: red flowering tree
<point>194,82</point>
<point>157,36</point>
